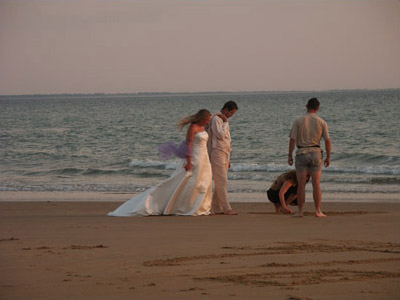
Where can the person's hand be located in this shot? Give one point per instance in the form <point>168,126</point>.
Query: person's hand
<point>223,117</point>
<point>327,162</point>
<point>286,210</point>
<point>290,160</point>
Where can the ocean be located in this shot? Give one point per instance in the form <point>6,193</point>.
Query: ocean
<point>108,143</point>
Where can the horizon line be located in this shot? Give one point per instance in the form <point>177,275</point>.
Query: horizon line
<point>194,93</point>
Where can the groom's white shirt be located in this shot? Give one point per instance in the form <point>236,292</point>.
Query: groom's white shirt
<point>220,135</point>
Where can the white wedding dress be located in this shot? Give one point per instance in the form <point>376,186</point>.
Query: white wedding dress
<point>184,193</point>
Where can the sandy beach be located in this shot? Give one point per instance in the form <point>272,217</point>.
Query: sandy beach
<point>54,249</point>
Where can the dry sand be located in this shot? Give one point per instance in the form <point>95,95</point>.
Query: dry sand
<point>72,250</point>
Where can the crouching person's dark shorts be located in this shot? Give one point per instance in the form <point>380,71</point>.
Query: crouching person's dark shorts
<point>273,196</point>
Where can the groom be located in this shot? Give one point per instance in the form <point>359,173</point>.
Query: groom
<point>219,148</point>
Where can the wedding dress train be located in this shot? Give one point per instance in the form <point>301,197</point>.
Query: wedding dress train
<point>184,193</point>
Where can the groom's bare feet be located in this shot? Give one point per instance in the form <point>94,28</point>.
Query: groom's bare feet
<point>320,214</point>
<point>231,212</point>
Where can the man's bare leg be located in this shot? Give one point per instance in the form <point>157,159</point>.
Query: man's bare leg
<point>301,191</point>
<point>317,195</point>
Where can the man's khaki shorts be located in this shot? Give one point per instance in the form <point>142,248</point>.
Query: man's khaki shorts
<point>309,162</point>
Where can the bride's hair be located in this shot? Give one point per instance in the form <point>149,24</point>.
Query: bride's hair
<point>201,115</point>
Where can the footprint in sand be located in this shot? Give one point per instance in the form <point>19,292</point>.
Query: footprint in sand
<point>9,240</point>
<point>82,247</point>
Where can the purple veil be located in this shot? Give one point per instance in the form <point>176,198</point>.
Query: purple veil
<point>168,149</point>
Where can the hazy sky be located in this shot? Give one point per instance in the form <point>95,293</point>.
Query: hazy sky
<point>197,45</point>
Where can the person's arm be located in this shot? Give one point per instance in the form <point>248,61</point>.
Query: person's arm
<point>189,141</point>
<point>328,144</point>
<point>292,144</point>
<point>218,128</point>
<point>285,187</point>
<point>328,148</point>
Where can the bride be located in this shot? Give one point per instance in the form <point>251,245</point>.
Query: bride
<point>188,191</point>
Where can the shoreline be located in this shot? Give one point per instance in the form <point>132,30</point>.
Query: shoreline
<point>27,196</point>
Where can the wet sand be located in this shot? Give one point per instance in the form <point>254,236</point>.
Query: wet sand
<point>72,250</point>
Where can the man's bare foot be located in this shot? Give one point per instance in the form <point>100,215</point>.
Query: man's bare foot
<point>320,214</point>
<point>298,215</point>
<point>231,212</point>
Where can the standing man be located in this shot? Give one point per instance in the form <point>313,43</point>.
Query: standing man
<point>220,151</point>
<point>306,133</point>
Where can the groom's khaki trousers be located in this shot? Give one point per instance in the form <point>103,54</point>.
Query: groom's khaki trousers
<point>220,165</point>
